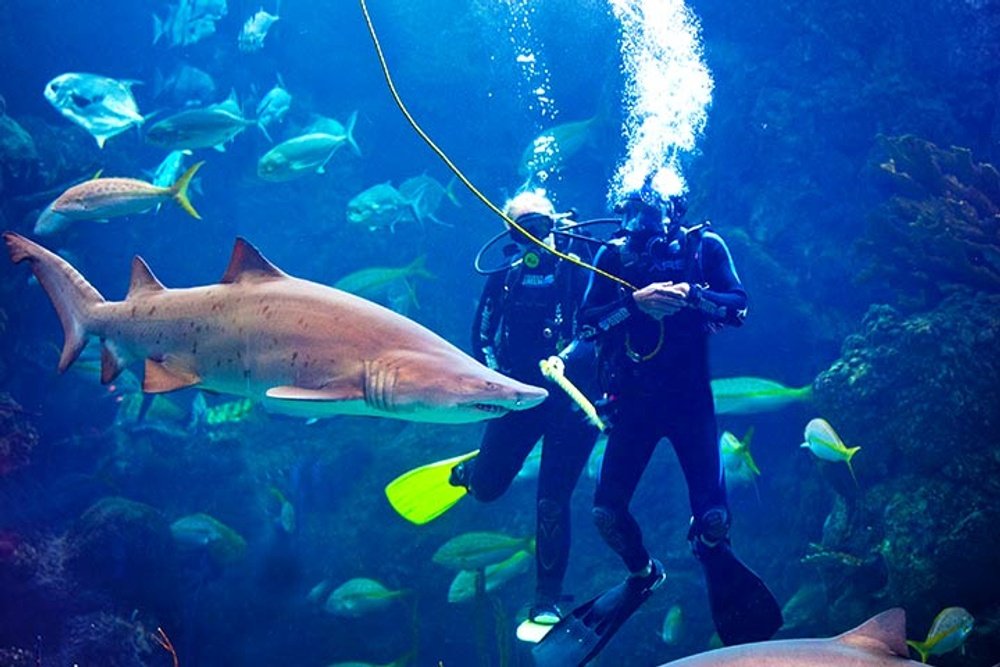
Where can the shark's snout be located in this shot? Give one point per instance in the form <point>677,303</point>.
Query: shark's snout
<point>509,395</point>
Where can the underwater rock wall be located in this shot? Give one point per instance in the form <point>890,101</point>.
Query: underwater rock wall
<point>920,395</point>
<point>939,229</point>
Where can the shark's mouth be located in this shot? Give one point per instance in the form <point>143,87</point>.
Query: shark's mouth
<point>489,407</point>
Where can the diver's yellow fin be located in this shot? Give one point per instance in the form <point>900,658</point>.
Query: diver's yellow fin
<point>424,493</point>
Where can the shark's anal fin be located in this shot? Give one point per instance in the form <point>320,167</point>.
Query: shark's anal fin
<point>112,363</point>
<point>160,377</point>
<point>246,261</point>
<point>293,393</point>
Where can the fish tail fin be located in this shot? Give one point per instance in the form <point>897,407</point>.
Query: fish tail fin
<point>418,267</point>
<point>158,29</point>
<point>748,459</point>
<point>71,295</point>
<point>349,128</point>
<point>920,647</point>
<point>803,393</point>
<point>412,294</point>
<point>851,451</point>
<point>179,190</point>
<point>449,191</point>
<point>747,454</point>
<point>263,130</point>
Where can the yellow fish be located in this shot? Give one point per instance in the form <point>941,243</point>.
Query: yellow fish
<point>737,459</point>
<point>102,198</point>
<point>948,631</point>
<point>824,442</point>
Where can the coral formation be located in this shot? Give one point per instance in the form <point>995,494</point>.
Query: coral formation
<point>18,155</point>
<point>940,227</point>
<point>108,640</point>
<point>123,549</point>
<point>18,435</point>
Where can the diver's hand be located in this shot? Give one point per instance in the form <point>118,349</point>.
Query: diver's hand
<point>659,300</point>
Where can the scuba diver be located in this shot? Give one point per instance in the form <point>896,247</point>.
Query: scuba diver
<point>528,312</point>
<point>653,368</point>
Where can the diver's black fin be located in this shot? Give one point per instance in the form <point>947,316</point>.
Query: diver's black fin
<point>584,632</point>
<point>743,608</point>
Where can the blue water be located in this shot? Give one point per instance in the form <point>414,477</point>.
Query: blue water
<point>786,171</point>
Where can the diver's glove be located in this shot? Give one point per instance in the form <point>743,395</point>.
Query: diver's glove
<point>490,357</point>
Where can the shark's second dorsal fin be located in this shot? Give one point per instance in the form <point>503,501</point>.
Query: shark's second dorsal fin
<point>884,633</point>
<point>247,261</point>
<point>142,279</point>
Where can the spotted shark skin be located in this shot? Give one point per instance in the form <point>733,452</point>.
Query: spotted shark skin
<point>298,347</point>
<point>879,642</point>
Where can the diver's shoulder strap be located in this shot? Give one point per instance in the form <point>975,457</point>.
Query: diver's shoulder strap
<point>693,236</point>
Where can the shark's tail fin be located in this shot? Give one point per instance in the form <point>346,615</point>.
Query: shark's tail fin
<point>71,294</point>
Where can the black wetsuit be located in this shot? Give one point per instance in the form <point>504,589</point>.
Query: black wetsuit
<point>659,385</point>
<point>527,314</point>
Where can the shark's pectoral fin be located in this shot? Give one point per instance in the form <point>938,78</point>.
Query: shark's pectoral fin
<point>329,393</point>
<point>162,376</point>
<point>112,363</point>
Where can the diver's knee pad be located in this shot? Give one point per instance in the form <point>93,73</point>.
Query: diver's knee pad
<point>606,520</point>
<point>549,511</point>
<point>709,530</point>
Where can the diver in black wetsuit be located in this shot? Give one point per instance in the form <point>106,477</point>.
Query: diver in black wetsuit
<point>653,367</point>
<point>529,313</point>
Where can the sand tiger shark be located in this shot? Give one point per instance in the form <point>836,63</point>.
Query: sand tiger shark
<point>878,642</point>
<point>298,347</point>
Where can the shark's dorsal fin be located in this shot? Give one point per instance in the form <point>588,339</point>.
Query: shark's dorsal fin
<point>142,279</point>
<point>884,633</point>
<point>248,262</point>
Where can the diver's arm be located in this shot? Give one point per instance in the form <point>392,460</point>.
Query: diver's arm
<point>603,305</point>
<point>723,299</point>
<point>487,320</point>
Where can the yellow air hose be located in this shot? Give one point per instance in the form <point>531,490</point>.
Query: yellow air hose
<point>553,367</point>
<point>461,177</point>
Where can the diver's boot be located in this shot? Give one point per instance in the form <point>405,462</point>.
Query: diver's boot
<point>649,578</point>
<point>461,474</point>
<point>542,616</point>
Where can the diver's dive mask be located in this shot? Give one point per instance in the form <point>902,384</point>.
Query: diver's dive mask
<point>538,225</point>
<point>639,216</point>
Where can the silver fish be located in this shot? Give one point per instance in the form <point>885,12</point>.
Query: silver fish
<point>273,107</point>
<point>255,31</point>
<point>103,106</point>
<point>188,22</point>
<point>185,86</point>
<point>210,127</point>
<point>298,156</point>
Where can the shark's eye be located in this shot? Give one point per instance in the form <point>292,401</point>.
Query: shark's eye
<point>491,386</point>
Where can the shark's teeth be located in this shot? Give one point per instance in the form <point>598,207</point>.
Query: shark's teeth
<point>488,407</point>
